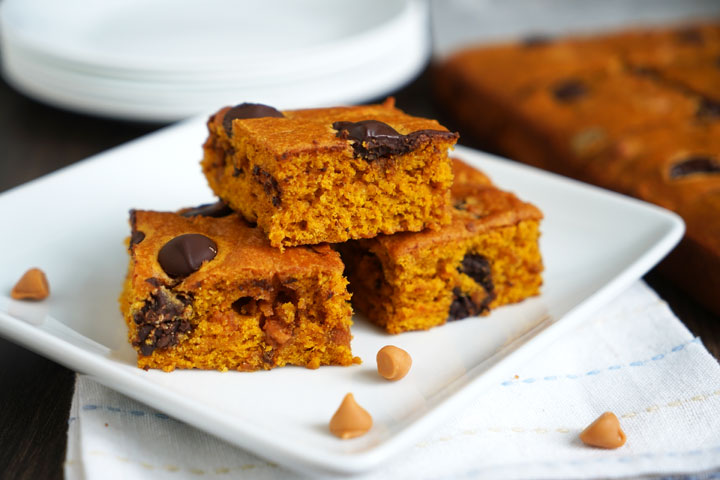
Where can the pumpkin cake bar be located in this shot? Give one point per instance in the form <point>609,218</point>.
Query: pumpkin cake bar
<point>330,174</point>
<point>488,256</point>
<point>635,111</point>
<point>206,290</point>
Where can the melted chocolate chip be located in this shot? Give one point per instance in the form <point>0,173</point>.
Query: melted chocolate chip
<point>183,255</point>
<point>478,268</point>
<point>569,90</point>
<point>696,164</point>
<point>248,110</point>
<point>136,237</point>
<point>269,184</point>
<point>462,306</point>
<point>708,109</point>
<point>160,321</point>
<point>237,171</point>
<point>153,281</point>
<point>216,210</point>
<point>367,129</point>
<point>373,139</point>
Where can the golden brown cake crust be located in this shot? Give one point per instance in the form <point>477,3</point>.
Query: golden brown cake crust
<point>305,179</point>
<point>635,111</point>
<point>242,250</point>
<point>310,130</point>
<point>225,299</point>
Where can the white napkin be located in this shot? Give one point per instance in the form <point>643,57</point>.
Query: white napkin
<point>634,358</point>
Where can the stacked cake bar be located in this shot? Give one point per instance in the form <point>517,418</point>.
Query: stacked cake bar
<point>257,280</point>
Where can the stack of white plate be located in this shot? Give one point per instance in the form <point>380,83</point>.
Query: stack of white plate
<point>164,60</point>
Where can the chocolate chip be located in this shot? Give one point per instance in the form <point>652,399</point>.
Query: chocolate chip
<point>367,129</point>
<point>708,109</point>
<point>160,320</point>
<point>373,139</point>
<point>286,295</point>
<point>569,90</point>
<point>478,268</point>
<point>269,184</point>
<point>262,283</point>
<point>216,210</point>
<point>536,40</point>
<point>691,36</point>
<point>462,306</point>
<point>248,110</point>
<point>144,331</point>
<point>153,281</point>
<point>268,356</point>
<point>237,171</point>
<point>183,255</point>
<point>146,349</point>
<point>163,341</point>
<point>136,237</point>
<point>696,164</point>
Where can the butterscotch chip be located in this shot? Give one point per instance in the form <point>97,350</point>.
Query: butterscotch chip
<point>393,363</point>
<point>604,432</point>
<point>32,286</point>
<point>350,419</point>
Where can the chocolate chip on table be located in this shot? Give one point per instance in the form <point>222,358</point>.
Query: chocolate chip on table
<point>604,432</point>
<point>373,139</point>
<point>696,164</point>
<point>216,210</point>
<point>185,254</point>
<point>478,268</point>
<point>248,110</point>
<point>569,90</point>
<point>350,420</point>
<point>33,285</point>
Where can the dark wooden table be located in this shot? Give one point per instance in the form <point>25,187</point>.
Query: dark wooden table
<point>35,393</point>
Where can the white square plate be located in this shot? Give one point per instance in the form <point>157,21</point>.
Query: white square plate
<point>72,224</point>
